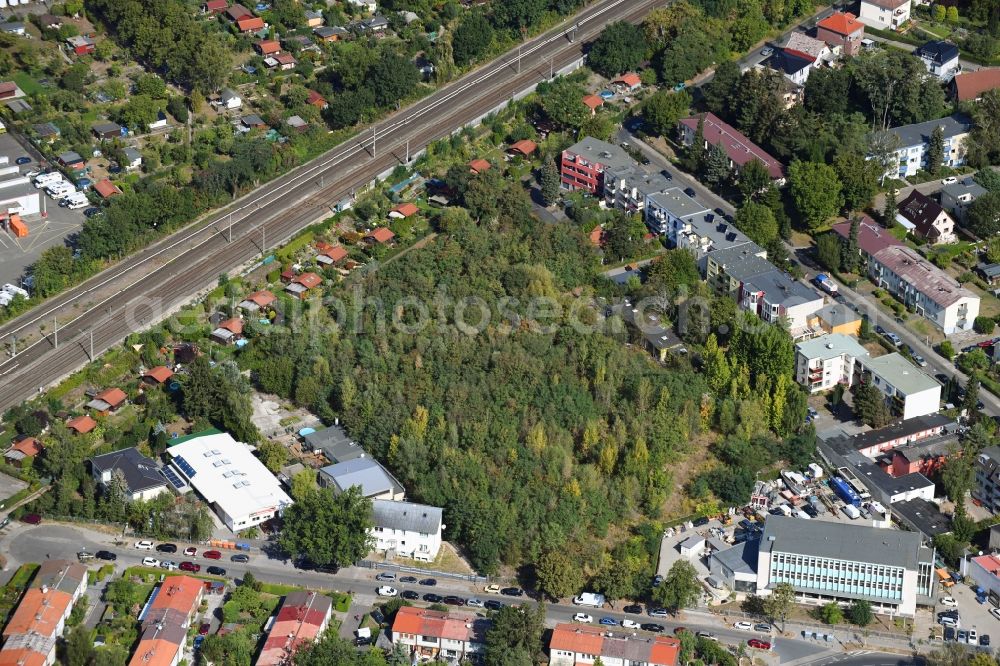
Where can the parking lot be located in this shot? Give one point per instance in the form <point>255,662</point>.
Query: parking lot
<point>44,231</point>
<point>974,615</point>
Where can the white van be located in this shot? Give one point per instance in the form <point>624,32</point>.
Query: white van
<point>13,290</point>
<point>60,191</point>
<point>43,179</point>
<point>589,599</point>
<point>76,200</point>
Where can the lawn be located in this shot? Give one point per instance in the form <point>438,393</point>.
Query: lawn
<point>26,83</point>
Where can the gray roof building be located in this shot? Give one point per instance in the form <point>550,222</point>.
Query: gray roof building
<point>920,133</point>
<point>608,154</point>
<point>334,443</point>
<point>742,261</point>
<point>923,516</point>
<point>967,186</point>
<point>140,472</point>
<point>779,289</point>
<point>365,473</point>
<point>837,314</point>
<point>407,516</point>
<point>841,541</point>
<point>741,558</point>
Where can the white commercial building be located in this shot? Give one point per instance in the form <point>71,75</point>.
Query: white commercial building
<point>824,362</point>
<point>17,195</point>
<point>241,490</point>
<point>828,561</point>
<point>913,143</point>
<point>406,529</point>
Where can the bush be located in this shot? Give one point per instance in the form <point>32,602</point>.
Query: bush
<point>984,325</point>
<point>947,349</point>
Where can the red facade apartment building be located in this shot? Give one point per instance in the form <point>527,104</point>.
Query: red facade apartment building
<point>583,164</point>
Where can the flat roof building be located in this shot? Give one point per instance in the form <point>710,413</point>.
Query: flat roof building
<point>228,476</point>
<point>832,561</point>
<point>367,474</point>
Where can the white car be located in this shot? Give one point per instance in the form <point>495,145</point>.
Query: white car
<point>950,180</point>
<point>583,617</point>
<point>475,603</point>
<point>386,591</point>
<point>743,626</point>
<point>150,562</point>
<point>707,635</point>
<point>492,589</point>
<point>948,601</point>
<point>168,565</point>
<point>973,637</point>
<point>995,612</point>
<point>630,624</point>
<point>144,545</point>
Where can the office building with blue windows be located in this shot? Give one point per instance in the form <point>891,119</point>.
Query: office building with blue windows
<point>832,561</point>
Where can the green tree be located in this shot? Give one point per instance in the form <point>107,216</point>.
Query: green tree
<point>620,48</point>
<point>830,613</point>
<point>719,91</point>
<point>779,602</point>
<point>562,101</point>
<point>850,260</point>
<point>889,209</point>
<point>860,613</point>
<point>680,587</point>
<point>754,180</point>
<point>947,349</point>
<point>767,351</point>
<point>953,15</point>
<point>983,215</point>
<point>815,191</point>
<point>392,78</point>
<point>550,182</point>
<point>970,403</point>
<point>472,38</point>
<point>235,648</point>
<point>870,407</point>
<point>664,109</point>
<point>716,168</point>
<point>518,15</point>
<point>858,177</point>
<point>935,151</point>
<point>79,647</point>
<point>515,637</point>
<point>757,221</point>
<point>983,325</point>
<point>273,455</point>
<point>558,575</point>
<point>624,236</point>
<point>329,529</point>
<point>939,13</point>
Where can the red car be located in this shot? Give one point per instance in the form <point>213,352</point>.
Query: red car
<point>31,518</point>
<point>190,566</point>
<point>204,628</point>
<point>759,644</point>
<point>212,555</point>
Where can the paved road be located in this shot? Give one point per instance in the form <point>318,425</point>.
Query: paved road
<point>864,658</point>
<point>25,543</point>
<point>146,287</point>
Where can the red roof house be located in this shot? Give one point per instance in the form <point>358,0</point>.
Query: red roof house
<point>593,102</point>
<point>250,24</point>
<point>8,89</point>
<point>22,450</point>
<point>330,254</point>
<point>872,237</point>
<point>158,375</point>
<point>582,642</point>
<point>267,47</point>
<point>739,149</point>
<point>629,81</point>
<point>301,284</point>
<point>524,147</point>
<point>380,235</point>
<point>317,100</point>
<point>968,86</point>
<point>302,618</point>
<point>478,166</point>
<point>404,210</point>
<point>215,6</point>
<point>842,29</point>
<point>258,300</point>
<point>106,189</point>
<point>108,400</point>
<point>81,424</point>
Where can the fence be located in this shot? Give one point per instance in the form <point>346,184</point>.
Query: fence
<point>472,578</point>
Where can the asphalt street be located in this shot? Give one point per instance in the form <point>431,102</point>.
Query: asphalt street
<point>146,287</point>
<point>24,543</point>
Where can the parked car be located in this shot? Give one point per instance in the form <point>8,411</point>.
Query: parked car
<point>700,522</point>
<point>84,556</point>
<point>948,621</point>
<point>984,640</point>
<point>204,628</point>
<point>651,626</point>
<point>429,582</point>
<point>150,562</point>
<point>433,598</point>
<point>950,180</point>
<point>106,555</point>
<point>634,609</point>
<point>759,644</point>
<point>707,635</point>
<point>949,633</point>
<point>212,555</point>
<point>477,603</point>
<point>410,595</point>
<point>191,551</point>
<point>24,159</point>
<point>242,558</point>
<point>386,576</point>
<point>995,612</point>
<point>679,630</point>
<point>629,624</point>
<point>690,192</point>
<point>169,565</point>
<point>948,601</point>
<point>608,621</point>
<point>492,589</point>
<point>763,627</point>
<point>144,545</point>
<point>973,637</point>
<point>167,548</point>
<point>493,604</point>
<point>743,626</point>
<point>767,51</point>
<point>192,567</point>
<point>408,579</point>
<point>453,600</point>
<point>657,612</point>
<point>583,618</point>
<point>386,591</point>
<point>216,571</point>
<point>963,636</point>
<point>512,592</point>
